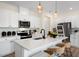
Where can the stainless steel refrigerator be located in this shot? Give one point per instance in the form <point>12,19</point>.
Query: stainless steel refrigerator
<point>67,27</point>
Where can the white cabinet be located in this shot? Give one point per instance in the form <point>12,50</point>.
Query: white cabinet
<point>8,15</point>
<point>5,48</point>
<point>6,45</point>
<point>74,38</point>
<point>13,19</point>
<point>77,39</point>
<point>4,21</point>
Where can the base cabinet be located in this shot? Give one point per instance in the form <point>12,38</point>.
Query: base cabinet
<point>74,38</point>
<point>5,48</point>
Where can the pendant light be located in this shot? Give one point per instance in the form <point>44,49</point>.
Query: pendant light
<point>56,12</point>
<point>39,8</point>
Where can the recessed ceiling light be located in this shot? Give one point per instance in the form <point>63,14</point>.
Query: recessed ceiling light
<point>70,8</point>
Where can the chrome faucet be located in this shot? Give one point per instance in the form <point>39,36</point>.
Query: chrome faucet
<point>42,30</point>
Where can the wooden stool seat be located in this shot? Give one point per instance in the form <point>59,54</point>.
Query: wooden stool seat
<point>67,46</point>
<point>50,51</point>
<point>58,51</point>
<point>68,49</point>
<point>60,45</point>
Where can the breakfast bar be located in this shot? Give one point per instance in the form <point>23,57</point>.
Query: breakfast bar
<point>28,47</point>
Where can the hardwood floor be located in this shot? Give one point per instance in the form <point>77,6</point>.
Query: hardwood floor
<point>75,53</point>
<point>10,55</point>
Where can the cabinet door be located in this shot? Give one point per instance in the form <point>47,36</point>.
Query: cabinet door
<point>77,39</point>
<point>72,39</point>
<point>5,47</point>
<point>13,19</point>
<point>12,46</point>
<point>4,18</point>
<point>8,15</point>
<point>11,39</point>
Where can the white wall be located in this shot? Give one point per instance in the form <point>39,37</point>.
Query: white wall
<point>72,16</point>
<point>46,21</point>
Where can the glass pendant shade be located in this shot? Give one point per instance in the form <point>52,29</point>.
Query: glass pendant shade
<point>56,13</point>
<point>39,8</point>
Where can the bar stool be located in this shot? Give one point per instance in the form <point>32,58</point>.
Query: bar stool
<point>55,51</point>
<point>67,48</point>
<point>50,51</point>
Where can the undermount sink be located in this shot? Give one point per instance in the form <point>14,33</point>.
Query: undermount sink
<point>38,38</point>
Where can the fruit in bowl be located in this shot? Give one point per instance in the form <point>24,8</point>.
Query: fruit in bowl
<point>52,34</point>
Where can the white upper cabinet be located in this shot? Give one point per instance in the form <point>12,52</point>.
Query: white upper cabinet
<point>8,15</point>
<point>4,18</point>
<point>33,17</point>
<point>23,13</point>
<point>13,19</point>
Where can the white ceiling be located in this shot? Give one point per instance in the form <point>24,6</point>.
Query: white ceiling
<point>63,6</point>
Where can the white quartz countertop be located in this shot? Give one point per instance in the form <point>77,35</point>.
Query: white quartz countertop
<point>30,44</point>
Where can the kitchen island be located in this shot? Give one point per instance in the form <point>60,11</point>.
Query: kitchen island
<point>28,47</point>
